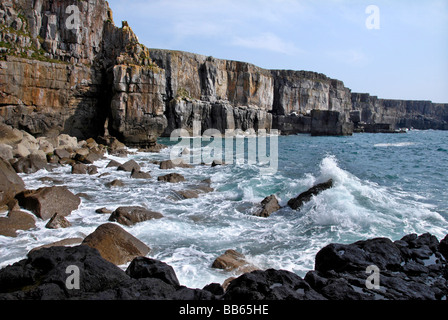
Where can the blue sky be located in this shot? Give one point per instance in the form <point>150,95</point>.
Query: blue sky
<point>406,58</point>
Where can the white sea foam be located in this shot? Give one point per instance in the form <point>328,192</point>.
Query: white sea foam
<point>398,144</point>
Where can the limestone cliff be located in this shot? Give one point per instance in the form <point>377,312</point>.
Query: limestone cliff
<point>66,68</point>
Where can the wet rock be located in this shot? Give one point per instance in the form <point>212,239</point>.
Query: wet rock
<point>142,267</point>
<point>57,222</point>
<point>91,170</point>
<point>129,216</point>
<point>444,247</point>
<point>79,168</point>
<point>187,194</point>
<point>270,285</point>
<point>235,261</point>
<point>306,196</point>
<point>115,183</point>
<point>103,211</point>
<point>140,175</point>
<point>113,164</point>
<point>115,244</point>
<point>16,220</point>
<point>47,201</point>
<point>10,182</point>
<point>172,178</point>
<point>129,166</point>
<point>268,206</point>
<point>167,164</point>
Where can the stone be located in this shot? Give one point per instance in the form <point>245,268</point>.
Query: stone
<point>79,168</point>
<point>113,164</point>
<point>172,178</point>
<point>57,222</point>
<point>10,182</point>
<point>10,135</point>
<point>268,206</point>
<point>232,260</point>
<point>143,267</point>
<point>129,166</point>
<point>30,164</point>
<point>16,220</point>
<point>115,183</point>
<point>62,153</point>
<point>103,211</point>
<point>140,175</point>
<point>45,145</point>
<point>6,152</point>
<point>270,285</point>
<point>91,170</point>
<point>45,202</point>
<point>444,247</point>
<point>296,203</point>
<point>115,244</point>
<point>129,216</point>
<point>167,164</point>
<point>67,142</point>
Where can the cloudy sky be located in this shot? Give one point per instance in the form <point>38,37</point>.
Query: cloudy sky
<point>405,55</point>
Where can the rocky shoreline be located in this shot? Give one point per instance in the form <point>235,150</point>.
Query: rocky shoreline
<point>414,267</point>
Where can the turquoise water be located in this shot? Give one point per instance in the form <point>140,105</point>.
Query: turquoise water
<point>386,185</point>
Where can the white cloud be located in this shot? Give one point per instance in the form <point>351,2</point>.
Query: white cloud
<point>352,57</point>
<point>268,41</point>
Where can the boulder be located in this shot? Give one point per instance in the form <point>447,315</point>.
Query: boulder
<point>129,166</point>
<point>6,152</point>
<point>113,164</point>
<point>115,244</point>
<point>172,178</point>
<point>103,211</point>
<point>16,220</point>
<point>115,183</point>
<point>47,201</point>
<point>91,170</point>
<point>143,267</point>
<point>270,285</point>
<point>10,182</point>
<point>65,141</point>
<point>43,275</point>
<point>45,145</point>
<point>232,260</point>
<point>129,216</point>
<point>9,135</point>
<point>57,222</point>
<point>268,206</point>
<point>297,203</point>
<point>79,168</point>
<point>30,164</point>
<point>167,164</point>
<point>140,175</point>
<point>62,153</point>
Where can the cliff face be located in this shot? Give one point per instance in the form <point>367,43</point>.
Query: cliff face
<point>66,68</point>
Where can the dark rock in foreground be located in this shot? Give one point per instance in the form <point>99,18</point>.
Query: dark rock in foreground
<point>413,268</point>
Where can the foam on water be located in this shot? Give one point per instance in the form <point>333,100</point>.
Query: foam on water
<point>194,232</point>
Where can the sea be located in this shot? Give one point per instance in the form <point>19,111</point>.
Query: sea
<point>385,185</point>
